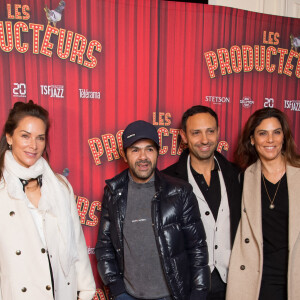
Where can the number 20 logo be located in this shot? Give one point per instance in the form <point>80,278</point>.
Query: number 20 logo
<point>19,90</point>
<point>269,102</point>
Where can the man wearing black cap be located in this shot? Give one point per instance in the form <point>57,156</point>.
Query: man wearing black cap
<point>151,241</point>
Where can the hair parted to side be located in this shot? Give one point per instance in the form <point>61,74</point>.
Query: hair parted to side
<point>197,109</point>
<point>246,154</point>
<point>19,111</point>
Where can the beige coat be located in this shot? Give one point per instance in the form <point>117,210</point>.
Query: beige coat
<point>246,263</point>
<point>24,267</point>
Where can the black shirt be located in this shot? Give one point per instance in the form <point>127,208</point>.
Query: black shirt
<point>211,193</point>
<point>275,238</point>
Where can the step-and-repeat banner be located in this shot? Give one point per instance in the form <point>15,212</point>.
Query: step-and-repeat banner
<point>98,65</point>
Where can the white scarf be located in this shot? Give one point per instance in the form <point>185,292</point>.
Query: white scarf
<point>54,200</point>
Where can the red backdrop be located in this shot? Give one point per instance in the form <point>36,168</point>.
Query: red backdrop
<point>108,63</point>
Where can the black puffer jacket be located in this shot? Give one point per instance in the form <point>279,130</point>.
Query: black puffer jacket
<point>178,231</point>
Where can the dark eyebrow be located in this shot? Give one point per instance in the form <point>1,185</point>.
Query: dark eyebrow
<point>25,131</point>
<point>135,147</point>
<point>43,134</point>
<point>264,130</point>
<point>208,128</point>
<point>279,128</point>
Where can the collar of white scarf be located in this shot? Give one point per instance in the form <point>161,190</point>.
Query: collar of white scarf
<point>55,200</point>
<point>13,171</point>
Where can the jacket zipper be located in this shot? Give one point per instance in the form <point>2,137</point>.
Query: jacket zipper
<point>153,209</point>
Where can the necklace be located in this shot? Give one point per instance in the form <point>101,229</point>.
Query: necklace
<point>272,206</point>
<point>26,182</point>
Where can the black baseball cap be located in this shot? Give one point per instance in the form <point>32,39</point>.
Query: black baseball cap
<point>139,130</point>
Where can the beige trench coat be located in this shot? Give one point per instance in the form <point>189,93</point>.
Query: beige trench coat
<point>24,267</point>
<point>246,263</point>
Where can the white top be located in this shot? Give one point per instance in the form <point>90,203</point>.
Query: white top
<point>37,216</point>
<point>217,231</point>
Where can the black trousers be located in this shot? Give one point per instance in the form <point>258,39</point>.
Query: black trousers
<point>218,287</point>
<point>274,291</point>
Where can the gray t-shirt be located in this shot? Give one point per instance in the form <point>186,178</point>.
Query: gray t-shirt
<point>143,273</point>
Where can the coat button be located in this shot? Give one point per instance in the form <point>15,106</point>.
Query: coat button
<point>24,289</point>
<point>12,213</point>
<point>216,246</point>
<point>43,250</point>
<point>247,241</point>
<point>18,252</point>
<point>207,213</point>
<point>68,283</point>
<point>242,267</point>
<point>48,287</point>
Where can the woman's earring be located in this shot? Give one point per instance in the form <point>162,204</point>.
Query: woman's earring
<point>9,147</point>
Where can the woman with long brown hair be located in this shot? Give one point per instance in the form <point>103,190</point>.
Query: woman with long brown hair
<point>43,253</point>
<point>265,259</point>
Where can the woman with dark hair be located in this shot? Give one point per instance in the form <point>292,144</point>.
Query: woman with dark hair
<point>43,253</point>
<point>265,260</point>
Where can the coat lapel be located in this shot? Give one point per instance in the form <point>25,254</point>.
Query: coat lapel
<point>293,180</point>
<point>252,199</point>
